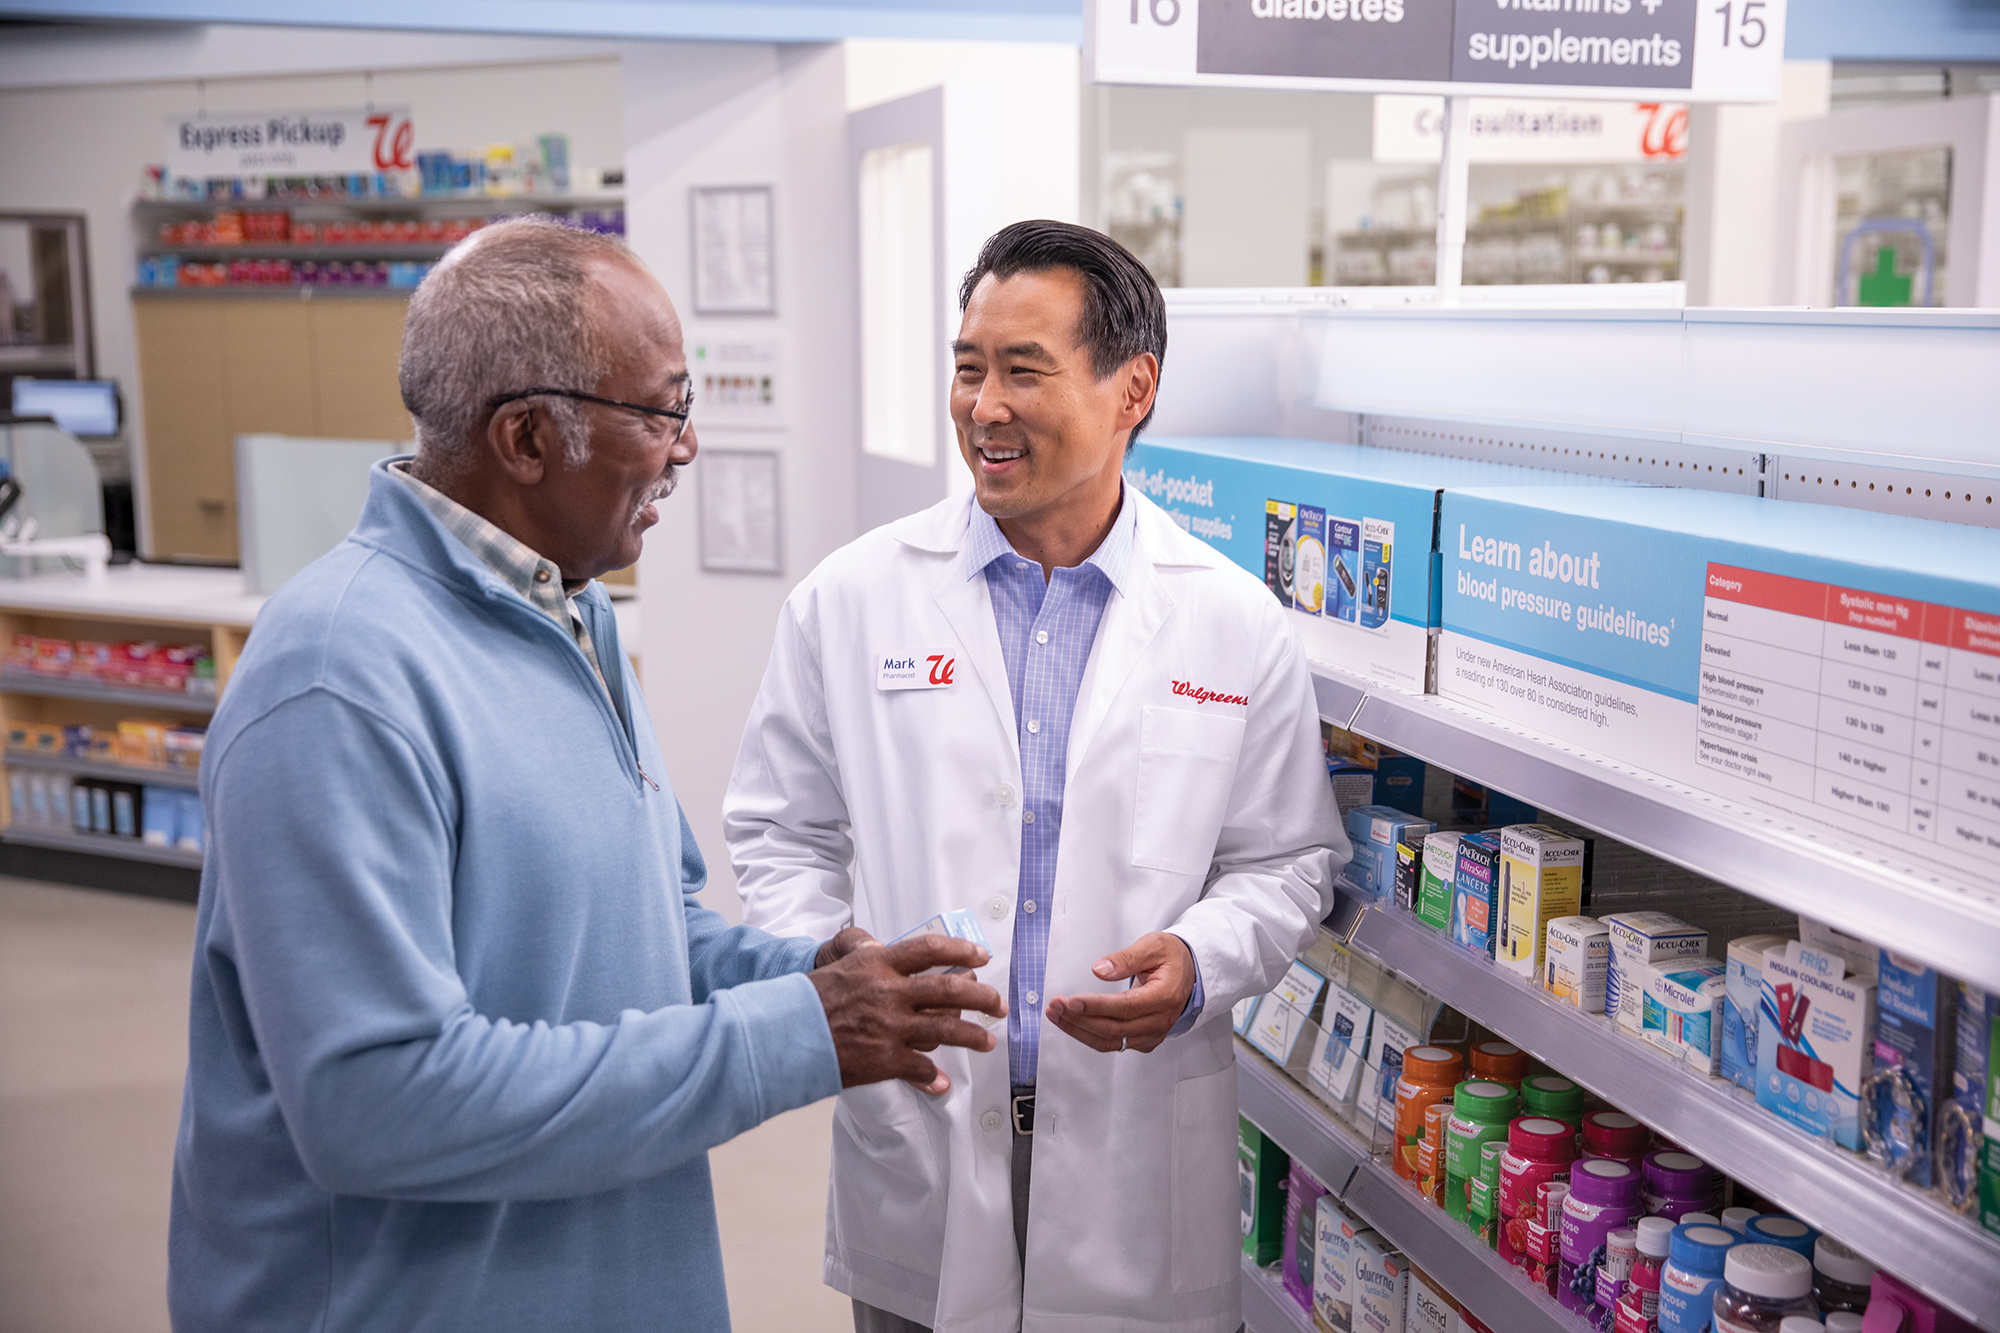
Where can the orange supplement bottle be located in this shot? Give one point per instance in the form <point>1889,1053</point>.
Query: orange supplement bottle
<point>1429,1075</point>
<point>1500,1062</point>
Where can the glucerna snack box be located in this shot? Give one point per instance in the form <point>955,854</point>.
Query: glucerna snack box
<point>1341,534</point>
<point>1838,667</point>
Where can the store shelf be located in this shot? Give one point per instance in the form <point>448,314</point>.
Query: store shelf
<point>1954,926</point>
<point>1902,1229</point>
<point>98,844</point>
<point>361,250</point>
<point>1497,1292</point>
<point>278,292</point>
<point>1267,1306</point>
<point>157,775</point>
<point>60,687</point>
<point>316,204</point>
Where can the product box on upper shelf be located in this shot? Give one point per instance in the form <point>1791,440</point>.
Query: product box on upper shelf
<point>1475,908</point>
<point>1438,885</point>
<point>1373,831</point>
<point>1744,981</point>
<point>1637,939</point>
<point>1813,1033</point>
<point>1340,533</point>
<point>1915,1030</point>
<point>1409,884</point>
<point>1541,878</point>
<point>1262,1171</point>
<point>1578,954</point>
<point>1838,667</point>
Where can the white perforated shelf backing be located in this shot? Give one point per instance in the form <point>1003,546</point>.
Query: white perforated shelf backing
<point>1954,497</point>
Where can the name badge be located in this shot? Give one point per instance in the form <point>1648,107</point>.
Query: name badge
<point>914,671</point>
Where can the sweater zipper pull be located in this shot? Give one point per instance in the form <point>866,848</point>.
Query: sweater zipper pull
<point>644,774</point>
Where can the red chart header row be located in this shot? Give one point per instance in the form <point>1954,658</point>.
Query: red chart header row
<point>1905,617</point>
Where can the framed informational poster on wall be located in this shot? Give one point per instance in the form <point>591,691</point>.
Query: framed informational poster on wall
<point>738,492</point>
<point>733,229</point>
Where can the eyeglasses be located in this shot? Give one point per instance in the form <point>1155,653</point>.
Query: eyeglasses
<point>678,415</point>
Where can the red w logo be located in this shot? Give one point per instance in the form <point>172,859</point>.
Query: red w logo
<point>941,668</point>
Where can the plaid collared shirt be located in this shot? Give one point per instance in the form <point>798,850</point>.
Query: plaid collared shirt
<point>519,566</point>
<point>1047,627</point>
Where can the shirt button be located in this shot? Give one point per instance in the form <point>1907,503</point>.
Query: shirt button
<point>541,576</point>
<point>1034,998</point>
<point>1004,793</point>
<point>1029,908</point>
<point>1041,636</point>
<point>1034,727</point>
<point>991,1122</point>
<point>997,908</point>
<point>1027,816</point>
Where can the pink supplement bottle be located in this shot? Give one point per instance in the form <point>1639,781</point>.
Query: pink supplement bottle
<point>1538,1150</point>
<point>1638,1308</point>
<point>1615,1135</point>
<point>1603,1197</point>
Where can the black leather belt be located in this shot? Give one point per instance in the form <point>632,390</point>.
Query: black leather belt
<point>1024,1110</point>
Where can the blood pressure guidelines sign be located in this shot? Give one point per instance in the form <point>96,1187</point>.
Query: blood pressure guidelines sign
<point>1696,50</point>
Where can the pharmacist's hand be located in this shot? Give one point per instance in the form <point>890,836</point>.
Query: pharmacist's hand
<point>844,942</point>
<point>883,1017</point>
<point>1162,972</point>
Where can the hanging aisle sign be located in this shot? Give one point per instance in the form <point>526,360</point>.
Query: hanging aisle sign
<point>1689,50</point>
<point>291,143</point>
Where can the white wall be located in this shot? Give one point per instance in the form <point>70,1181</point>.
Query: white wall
<point>1732,189</point>
<point>711,114</point>
<point>84,147</point>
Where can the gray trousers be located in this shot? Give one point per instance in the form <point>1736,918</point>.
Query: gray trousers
<point>868,1319</point>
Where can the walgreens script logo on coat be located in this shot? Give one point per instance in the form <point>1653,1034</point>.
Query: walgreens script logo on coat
<point>1203,695</point>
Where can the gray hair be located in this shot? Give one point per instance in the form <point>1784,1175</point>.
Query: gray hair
<point>504,310</point>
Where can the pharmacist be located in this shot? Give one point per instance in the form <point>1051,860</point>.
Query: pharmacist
<point>461,1034</point>
<point>1049,705</point>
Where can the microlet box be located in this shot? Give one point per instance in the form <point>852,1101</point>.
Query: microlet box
<point>1541,878</point>
<point>1681,1010</point>
<point>1643,937</point>
<point>1576,958</point>
<point>1815,1023</point>
<point>1475,907</point>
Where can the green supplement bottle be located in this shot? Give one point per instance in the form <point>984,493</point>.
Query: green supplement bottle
<point>1554,1098</point>
<point>1480,1110</point>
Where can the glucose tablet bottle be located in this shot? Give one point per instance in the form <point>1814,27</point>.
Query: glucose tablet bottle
<point>1842,1279</point>
<point>1603,1197</point>
<point>1679,1183</point>
<point>1554,1097</point>
<point>1429,1075</point>
<point>1695,1256</point>
<point>1500,1062</point>
<point>1617,1136</point>
<point>1761,1286</point>
<point>1787,1233</point>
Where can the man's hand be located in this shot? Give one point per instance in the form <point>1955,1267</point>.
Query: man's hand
<point>883,1016</point>
<point>844,942</point>
<point>1139,1018</point>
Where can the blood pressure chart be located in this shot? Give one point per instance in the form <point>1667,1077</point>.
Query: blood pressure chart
<point>1880,711</point>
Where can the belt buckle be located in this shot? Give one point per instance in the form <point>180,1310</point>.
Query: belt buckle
<point>1023,1106</point>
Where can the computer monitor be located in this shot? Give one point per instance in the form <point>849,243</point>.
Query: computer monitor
<point>81,407</point>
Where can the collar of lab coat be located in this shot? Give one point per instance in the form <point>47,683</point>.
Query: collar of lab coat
<point>1132,618</point>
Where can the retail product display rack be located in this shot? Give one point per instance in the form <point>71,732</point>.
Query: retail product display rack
<point>1905,1230</point>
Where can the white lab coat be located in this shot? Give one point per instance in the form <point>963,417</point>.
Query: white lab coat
<point>1213,818</point>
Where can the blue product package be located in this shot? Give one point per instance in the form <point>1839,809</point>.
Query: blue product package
<point>1309,566</point>
<point>1281,548</point>
<point>1343,568</point>
<point>124,812</point>
<point>959,924</point>
<point>190,826</point>
<point>1378,542</point>
<point>100,809</point>
<point>1475,904</point>
<point>1399,782</point>
<point>1914,1038</point>
<point>1373,831</point>
<point>79,806</point>
<point>159,822</point>
<point>1977,1010</point>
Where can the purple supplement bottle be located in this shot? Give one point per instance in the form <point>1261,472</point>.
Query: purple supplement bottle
<point>1603,1197</point>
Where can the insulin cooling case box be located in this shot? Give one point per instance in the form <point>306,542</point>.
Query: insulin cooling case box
<point>1838,666</point>
<point>1340,533</point>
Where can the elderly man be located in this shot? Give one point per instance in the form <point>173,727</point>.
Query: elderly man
<point>1114,760</point>
<point>461,1034</point>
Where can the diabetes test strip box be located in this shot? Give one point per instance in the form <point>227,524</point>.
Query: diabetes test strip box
<point>1541,878</point>
<point>1340,533</point>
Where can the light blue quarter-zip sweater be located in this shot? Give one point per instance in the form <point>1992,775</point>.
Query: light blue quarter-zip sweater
<point>460,1033</point>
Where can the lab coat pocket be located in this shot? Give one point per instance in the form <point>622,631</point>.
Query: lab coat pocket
<point>1207,1241</point>
<point>1187,765</point>
<point>887,1177</point>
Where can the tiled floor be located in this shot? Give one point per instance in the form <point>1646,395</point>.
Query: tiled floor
<point>93,1042</point>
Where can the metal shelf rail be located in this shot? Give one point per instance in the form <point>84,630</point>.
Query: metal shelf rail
<point>99,844</point>
<point>1268,1307</point>
<point>157,775</point>
<point>1954,927</point>
<point>61,687</point>
<point>1493,1289</point>
<point>1907,1232</point>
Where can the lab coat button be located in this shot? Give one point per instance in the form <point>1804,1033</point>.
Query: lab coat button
<point>991,1121</point>
<point>1004,793</point>
<point>997,908</point>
